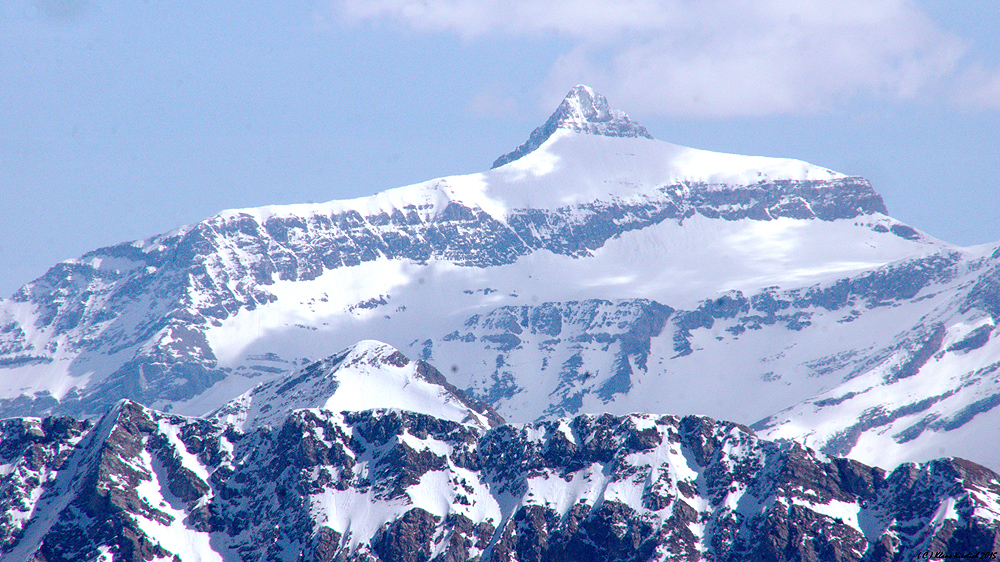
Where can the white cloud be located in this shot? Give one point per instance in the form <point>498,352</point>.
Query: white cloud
<point>474,18</point>
<point>719,58</point>
<point>978,87</point>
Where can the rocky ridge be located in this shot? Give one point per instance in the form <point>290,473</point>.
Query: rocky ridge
<point>583,110</point>
<point>393,485</point>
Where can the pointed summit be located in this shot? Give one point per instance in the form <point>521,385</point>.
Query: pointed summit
<point>368,375</point>
<point>582,110</point>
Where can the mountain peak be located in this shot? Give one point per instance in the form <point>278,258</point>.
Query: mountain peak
<point>582,110</point>
<point>367,375</point>
<point>587,111</point>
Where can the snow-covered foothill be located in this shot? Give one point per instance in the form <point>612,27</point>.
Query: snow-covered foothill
<point>369,375</point>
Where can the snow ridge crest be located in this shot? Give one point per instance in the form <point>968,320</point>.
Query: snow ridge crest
<point>368,375</point>
<point>582,110</point>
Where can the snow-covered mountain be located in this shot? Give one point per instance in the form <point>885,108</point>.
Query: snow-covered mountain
<point>594,269</point>
<point>369,375</point>
<point>392,485</point>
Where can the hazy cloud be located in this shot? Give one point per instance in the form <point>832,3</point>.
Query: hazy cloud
<point>978,87</point>
<point>719,58</point>
<point>474,18</point>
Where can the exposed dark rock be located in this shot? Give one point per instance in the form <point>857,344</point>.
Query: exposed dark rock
<point>977,338</point>
<point>407,539</point>
<point>432,375</point>
<point>920,356</point>
<point>268,490</point>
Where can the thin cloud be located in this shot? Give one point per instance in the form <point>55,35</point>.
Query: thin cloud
<point>978,87</point>
<point>719,58</point>
<point>476,18</point>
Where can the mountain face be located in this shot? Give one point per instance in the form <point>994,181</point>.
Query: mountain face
<point>594,269</point>
<point>880,365</point>
<point>394,485</point>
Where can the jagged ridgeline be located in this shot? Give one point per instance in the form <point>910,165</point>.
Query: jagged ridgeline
<point>393,485</point>
<point>592,273</point>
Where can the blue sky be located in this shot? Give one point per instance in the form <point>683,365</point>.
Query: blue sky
<point>121,120</point>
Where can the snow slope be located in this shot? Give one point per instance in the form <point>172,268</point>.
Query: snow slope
<point>599,270</point>
<point>126,311</point>
<point>369,375</point>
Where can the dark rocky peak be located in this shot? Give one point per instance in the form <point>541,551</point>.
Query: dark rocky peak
<point>582,110</point>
